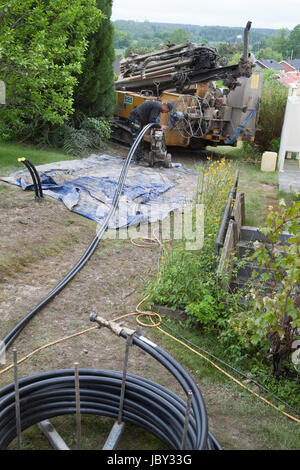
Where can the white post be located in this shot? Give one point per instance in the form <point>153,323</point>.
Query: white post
<point>290,137</point>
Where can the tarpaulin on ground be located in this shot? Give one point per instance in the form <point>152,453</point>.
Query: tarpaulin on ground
<point>87,186</point>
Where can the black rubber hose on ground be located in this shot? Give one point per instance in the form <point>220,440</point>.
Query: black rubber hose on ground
<point>37,176</point>
<point>13,334</point>
<point>147,404</point>
<point>33,177</point>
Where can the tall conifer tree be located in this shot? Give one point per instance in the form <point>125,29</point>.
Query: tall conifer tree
<point>95,93</point>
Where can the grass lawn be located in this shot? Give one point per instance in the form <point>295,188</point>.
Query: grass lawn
<point>10,152</point>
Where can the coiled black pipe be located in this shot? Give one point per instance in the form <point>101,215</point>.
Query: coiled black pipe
<point>13,334</point>
<point>146,404</point>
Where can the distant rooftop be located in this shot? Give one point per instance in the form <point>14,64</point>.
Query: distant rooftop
<point>268,64</point>
<point>295,63</point>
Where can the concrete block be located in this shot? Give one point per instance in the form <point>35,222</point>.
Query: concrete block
<point>269,161</point>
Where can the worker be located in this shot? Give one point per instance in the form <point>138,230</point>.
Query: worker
<point>142,115</point>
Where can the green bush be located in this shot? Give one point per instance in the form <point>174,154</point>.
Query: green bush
<point>274,316</point>
<point>6,134</point>
<point>187,278</point>
<point>91,136</point>
<point>271,114</point>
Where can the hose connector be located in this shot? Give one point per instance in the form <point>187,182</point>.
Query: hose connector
<point>111,325</point>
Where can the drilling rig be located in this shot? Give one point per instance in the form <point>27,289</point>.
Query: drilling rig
<point>213,104</point>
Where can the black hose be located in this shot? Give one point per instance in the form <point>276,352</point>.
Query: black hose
<point>37,176</point>
<point>52,394</point>
<point>33,177</point>
<point>12,335</point>
<point>147,404</point>
<point>185,381</point>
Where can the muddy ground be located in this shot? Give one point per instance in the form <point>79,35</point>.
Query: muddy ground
<point>40,243</point>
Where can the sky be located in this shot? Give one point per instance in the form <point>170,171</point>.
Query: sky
<point>263,13</point>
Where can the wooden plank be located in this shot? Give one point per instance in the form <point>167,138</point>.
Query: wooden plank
<point>232,237</point>
<point>237,213</point>
<point>224,264</point>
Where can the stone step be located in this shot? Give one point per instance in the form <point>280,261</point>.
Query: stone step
<point>247,269</point>
<point>252,234</point>
<point>245,249</point>
<point>241,282</point>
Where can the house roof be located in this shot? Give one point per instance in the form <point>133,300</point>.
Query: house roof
<point>269,64</point>
<point>295,63</point>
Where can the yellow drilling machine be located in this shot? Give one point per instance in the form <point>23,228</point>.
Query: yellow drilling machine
<point>212,104</point>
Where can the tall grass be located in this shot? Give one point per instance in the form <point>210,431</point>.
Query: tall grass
<point>271,115</point>
<point>187,278</point>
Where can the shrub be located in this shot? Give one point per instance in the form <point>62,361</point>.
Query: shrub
<point>91,136</point>
<point>187,279</point>
<point>273,319</point>
<point>271,114</point>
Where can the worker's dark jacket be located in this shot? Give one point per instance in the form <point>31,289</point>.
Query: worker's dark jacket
<point>146,112</point>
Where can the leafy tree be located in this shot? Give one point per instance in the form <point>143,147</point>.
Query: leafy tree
<point>229,53</point>
<point>213,34</point>
<point>279,42</point>
<point>280,46</point>
<point>294,42</point>
<point>122,39</point>
<point>235,58</point>
<point>42,46</point>
<point>95,92</point>
<point>179,36</point>
<point>269,53</point>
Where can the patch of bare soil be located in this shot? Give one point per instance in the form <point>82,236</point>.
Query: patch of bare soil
<point>40,243</point>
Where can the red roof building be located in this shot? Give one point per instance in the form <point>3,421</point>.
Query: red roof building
<point>289,78</point>
<point>291,65</point>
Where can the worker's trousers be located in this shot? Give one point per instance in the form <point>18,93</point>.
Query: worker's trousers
<point>135,128</point>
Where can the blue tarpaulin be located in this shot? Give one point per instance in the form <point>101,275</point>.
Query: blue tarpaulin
<point>86,186</point>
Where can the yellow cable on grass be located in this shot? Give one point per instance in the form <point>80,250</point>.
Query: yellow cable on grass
<point>213,364</point>
<point>150,315</point>
<point>47,346</point>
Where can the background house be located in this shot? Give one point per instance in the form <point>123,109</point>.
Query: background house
<point>268,64</point>
<point>291,65</point>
